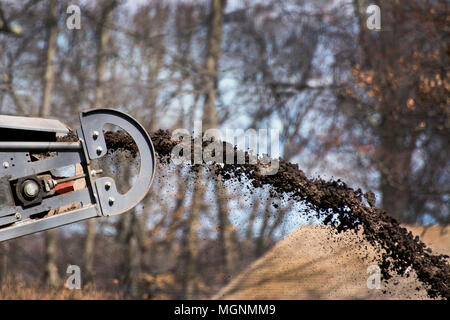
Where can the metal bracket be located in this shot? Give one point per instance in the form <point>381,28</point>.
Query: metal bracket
<point>100,197</point>
<point>92,123</point>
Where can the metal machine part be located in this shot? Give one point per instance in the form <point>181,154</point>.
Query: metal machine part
<point>32,186</point>
<point>32,124</point>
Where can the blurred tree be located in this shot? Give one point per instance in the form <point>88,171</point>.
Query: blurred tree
<point>51,277</point>
<point>396,108</point>
<point>102,43</point>
<point>3,263</point>
<point>210,120</point>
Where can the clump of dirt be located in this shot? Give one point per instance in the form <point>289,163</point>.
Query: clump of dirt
<point>120,140</point>
<point>70,137</point>
<point>115,141</point>
<point>337,204</point>
<point>163,144</point>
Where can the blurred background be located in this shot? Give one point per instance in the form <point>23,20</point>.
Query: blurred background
<point>371,107</point>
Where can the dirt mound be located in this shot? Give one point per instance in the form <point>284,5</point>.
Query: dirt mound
<point>316,263</point>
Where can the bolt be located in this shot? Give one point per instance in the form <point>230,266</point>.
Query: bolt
<point>111,201</point>
<point>95,135</point>
<point>96,172</point>
<point>107,185</point>
<point>5,165</point>
<point>18,216</point>
<point>99,150</point>
<point>31,188</point>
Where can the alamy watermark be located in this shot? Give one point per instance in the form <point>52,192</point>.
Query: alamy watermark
<point>73,21</point>
<point>74,280</point>
<point>373,22</point>
<point>262,146</point>
<point>374,280</point>
<point>374,19</point>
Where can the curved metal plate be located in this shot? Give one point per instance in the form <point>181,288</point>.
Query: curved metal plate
<point>111,201</point>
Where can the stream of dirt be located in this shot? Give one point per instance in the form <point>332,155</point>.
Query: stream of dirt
<point>336,204</point>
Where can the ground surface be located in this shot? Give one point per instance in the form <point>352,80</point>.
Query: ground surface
<point>314,263</point>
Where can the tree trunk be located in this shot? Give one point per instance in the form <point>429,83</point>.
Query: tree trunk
<point>50,53</point>
<point>251,222</point>
<point>51,277</point>
<point>210,120</point>
<point>3,263</point>
<point>393,161</point>
<point>128,234</point>
<point>173,227</point>
<point>51,237</point>
<point>229,250</point>
<point>191,238</point>
<point>280,214</point>
<point>14,259</point>
<point>214,47</point>
<point>394,165</point>
<point>394,196</point>
<point>261,240</point>
<point>89,252</point>
<point>132,256</point>
<point>102,39</point>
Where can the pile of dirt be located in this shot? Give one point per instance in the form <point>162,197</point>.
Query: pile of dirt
<point>314,262</point>
<point>339,206</point>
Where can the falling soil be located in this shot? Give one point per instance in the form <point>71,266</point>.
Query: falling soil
<point>337,204</point>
